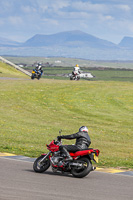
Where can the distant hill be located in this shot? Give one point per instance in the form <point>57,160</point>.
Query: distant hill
<point>127,42</point>
<point>72,44</point>
<point>8,43</point>
<point>68,39</point>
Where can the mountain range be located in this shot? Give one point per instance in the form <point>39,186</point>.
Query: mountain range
<point>69,44</point>
<point>4,42</point>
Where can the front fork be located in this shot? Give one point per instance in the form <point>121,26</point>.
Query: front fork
<point>45,156</point>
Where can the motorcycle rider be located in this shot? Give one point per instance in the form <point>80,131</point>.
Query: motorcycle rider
<point>82,142</point>
<point>39,68</point>
<point>76,70</point>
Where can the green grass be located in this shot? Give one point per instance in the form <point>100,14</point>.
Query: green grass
<point>8,71</point>
<point>112,75</point>
<point>32,112</point>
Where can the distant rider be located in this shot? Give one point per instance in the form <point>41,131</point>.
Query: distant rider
<point>39,68</point>
<point>76,70</point>
<point>82,142</point>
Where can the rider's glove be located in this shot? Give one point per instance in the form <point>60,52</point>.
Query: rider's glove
<point>59,138</point>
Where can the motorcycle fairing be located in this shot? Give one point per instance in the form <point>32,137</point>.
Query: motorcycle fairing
<point>53,147</point>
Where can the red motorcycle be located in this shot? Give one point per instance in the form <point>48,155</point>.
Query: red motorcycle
<point>79,167</point>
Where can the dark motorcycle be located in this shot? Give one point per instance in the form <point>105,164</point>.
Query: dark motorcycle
<point>79,167</point>
<point>74,76</point>
<point>36,74</point>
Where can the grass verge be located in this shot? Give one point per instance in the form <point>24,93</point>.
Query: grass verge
<point>9,71</point>
<point>32,112</point>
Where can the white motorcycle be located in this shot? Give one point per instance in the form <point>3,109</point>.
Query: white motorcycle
<point>74,76</point>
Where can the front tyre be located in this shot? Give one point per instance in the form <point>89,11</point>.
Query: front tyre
<point>80,172</point>
<point>32,76</point>
<point>41,166</point>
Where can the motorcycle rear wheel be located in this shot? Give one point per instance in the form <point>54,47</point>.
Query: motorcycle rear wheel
<point>71,77</point>
<point>41,167</point>
<point>82,172</point>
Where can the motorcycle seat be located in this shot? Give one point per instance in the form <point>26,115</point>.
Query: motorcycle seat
<point>78,153</point>
<point>86,149</point>
<point>81,150</point>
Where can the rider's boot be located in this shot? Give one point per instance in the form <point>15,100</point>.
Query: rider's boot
<point>68,157</point>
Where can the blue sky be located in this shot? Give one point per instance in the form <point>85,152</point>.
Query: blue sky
<point>107,19</point>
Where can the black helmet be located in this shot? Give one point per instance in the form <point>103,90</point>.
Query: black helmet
<point>83,128</point>
<point>39,64</point>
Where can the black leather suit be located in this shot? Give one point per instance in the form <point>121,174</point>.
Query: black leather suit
<point>82,141</point>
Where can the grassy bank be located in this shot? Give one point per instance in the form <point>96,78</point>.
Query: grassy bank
<point>9,71</point>
<point>32,113</point>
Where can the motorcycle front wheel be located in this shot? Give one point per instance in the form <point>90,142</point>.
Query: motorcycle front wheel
<point>80,172</point>
<point>41,166</point>
<point>32,76</point>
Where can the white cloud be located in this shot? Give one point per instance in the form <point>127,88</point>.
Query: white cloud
<point>28,9</point>
<point>73,15</point>
<point>90,7</point>
<point>126,26</point>
<point>50,21</point>
<point>104,18</point>
<point>108,17</point>
<point>60,4</point>
<point>15,20</point>
<point>124,7</point>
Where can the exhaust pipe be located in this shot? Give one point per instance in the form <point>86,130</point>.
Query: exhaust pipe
<point>75,164</point>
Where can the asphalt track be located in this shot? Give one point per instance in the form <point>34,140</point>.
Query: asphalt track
<point>19,182</point>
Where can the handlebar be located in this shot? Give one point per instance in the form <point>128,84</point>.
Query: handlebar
<point>58,142</point>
